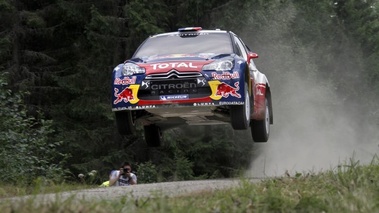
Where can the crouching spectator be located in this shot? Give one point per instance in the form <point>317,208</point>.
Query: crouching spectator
<point>123,176</point>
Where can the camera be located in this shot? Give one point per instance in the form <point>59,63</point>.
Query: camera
<point>123,171</point>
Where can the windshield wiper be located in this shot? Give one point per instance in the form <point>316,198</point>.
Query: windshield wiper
<point>136,59</point>
<point>222,55</point>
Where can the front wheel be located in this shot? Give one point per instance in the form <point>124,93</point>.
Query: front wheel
<point>125,121</point>
<point>260,130</point>
<point>240,114</point>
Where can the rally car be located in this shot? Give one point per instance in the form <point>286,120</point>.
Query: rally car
<point>191,77</point>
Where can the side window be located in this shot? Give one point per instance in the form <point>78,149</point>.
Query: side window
<point>251,62</point>
<point>247,49</point>
<point>241,47</point>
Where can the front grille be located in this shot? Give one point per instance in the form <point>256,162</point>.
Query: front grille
<point>173,83</point>
<point>173,74</point>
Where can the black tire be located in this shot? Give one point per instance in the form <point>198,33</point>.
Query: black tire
<point>125,121</point>
<point>260,130</point>
<point>153,135</point>
<point>240,114</point>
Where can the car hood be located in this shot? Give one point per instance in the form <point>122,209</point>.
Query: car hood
<point>179,65</point>
<point>179,62</point>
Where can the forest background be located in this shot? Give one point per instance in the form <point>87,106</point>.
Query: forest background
<point>56,59</point>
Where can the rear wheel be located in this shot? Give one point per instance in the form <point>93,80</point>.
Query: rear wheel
<point>153,135</point>
<point>240,114</point>
<point>125,121</point>
<point>260,130</point>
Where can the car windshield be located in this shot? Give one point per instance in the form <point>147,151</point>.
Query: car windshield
<point>214,43</point>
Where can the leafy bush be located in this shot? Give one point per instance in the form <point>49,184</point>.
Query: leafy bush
<point>90,178</point>
<point>26,151</point>
<point>147,173</point>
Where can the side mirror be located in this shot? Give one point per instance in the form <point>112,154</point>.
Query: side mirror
<point>251,55</point>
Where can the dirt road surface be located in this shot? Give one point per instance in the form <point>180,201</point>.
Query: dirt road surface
<point>169,189</point>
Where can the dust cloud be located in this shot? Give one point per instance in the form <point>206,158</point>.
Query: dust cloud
<point>315,127</point>
<point>310,136</point>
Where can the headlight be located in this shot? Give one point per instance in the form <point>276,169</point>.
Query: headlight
<point>224,65</point>
<point>130,69</point>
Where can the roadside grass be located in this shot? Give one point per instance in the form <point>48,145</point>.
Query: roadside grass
<point>348,188</point>
<point>9,190</point>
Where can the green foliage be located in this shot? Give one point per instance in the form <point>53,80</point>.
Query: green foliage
<point>198,152</point>
<point>147,173</point>
<point>183,169</point>
<point>33,20</point>
<point>147,17</point>
<point>26,150</point>
<point>90,178</point>
<point>5,6</point>
<point>360,20</point>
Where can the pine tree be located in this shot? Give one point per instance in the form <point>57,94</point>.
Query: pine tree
<point>360,19</point>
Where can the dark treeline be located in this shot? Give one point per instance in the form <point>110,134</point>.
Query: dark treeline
<point>56,59</point>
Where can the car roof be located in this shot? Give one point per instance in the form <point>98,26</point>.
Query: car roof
<point>198,31</point>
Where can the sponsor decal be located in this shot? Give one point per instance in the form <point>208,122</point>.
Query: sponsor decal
<point>145,84</point>
<point>129,94</point>
<point>145,107</point>
<point>203,104</point>
<point>259,88</point>
<point>225,75</point>
<point>173,65</point>
<point>185,85</point>
<point>133,107</point>
<point>223,90</point>
<point>188,34</point>
<point>173,97</point>
<point>125,81</point>
<point>231,103</point>
<point>259,92</point>
<point>201,81</point>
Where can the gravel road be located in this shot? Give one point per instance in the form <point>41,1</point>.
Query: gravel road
<point>169,189</point>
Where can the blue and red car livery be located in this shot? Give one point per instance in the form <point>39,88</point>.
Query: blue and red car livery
<point>191,77</point>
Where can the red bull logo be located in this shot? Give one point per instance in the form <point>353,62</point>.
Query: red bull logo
<point>225,75</point>
<point>125,95</point>
<point>225,90</point>
<point>125,81</point>
<point>129,94</point>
